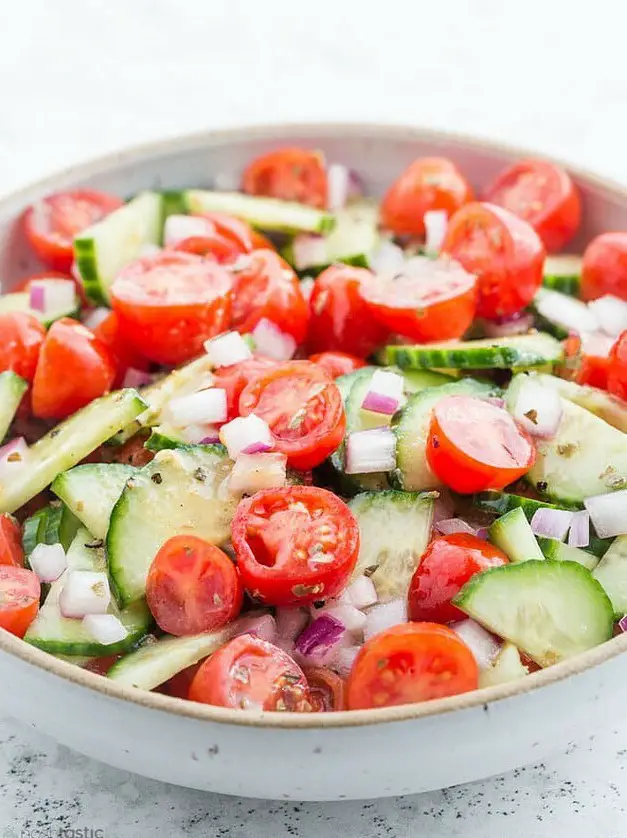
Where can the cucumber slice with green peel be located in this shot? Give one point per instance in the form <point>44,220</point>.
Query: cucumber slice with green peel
<point>53,524</point>
<point>563,273</point>
<point>607,407</point>
<point>554,549</point>
<point>506,666</point>
<point>512,533</point>
<point>502,502</point>
<point>418,380</point>
<point>395,528</point>
<point>182,491</point>
<point>20,301</point>
<point>174,202</point>
<point>31,530</point>
<point>91,491</point>
<point>611,572</point>
<point>263,213</point>
<point>103,249</point>
<point>550,610</point>
<point>12,388</point>
<point>68,444</point>
<point>533,350</point>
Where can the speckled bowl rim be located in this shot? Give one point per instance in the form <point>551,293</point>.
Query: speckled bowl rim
<point>354,718</point>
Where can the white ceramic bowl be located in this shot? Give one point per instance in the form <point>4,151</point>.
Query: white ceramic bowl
<point>362,754</point>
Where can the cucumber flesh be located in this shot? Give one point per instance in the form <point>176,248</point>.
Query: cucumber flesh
<point>502,502</point>
<point>506,667</point>
<point>12,388</point>
<point>20,301</point>
<point>563,273</point>
<point>53,524</point>
<point>91,491</point>
<point>607,407</point>
<point>514,536</point>
<point>554,549</point>
<point>611,572</point>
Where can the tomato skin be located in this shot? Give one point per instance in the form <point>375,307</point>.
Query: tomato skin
<point>251,674</point>
<point>126,356</point>
<point>223,251</point>
<point>411,663</point>
<point>100,666</point>
<point>19,599</point>
<point>192,586</point>
<point>336,364</point>
<point>276,531</point>
<point>178,686</point>
<point>542,194</point>
<point>327,691</point>
<point>303,428</point>
<point>617,374</point>
<point>447,564</point>
<point>133,453</point>
<point>235,230</point>
<point>70,346</point>
<point>21,338</point>
<point>291,174</point>
<point>268,288</point>
<point>604,269</point>
<point>236,377</point>
<point>261,242</point>
<point>503,251</point>
<point>168,305</point>
<point>11,550</point>
<point>429,183</point>
<point>341,319</point>
<point>51,224</point>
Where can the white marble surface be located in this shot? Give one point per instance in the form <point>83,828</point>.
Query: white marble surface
<point>83,77</point>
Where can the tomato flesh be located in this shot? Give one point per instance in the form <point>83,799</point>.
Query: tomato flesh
<point>236,377</point>
<point>11,550</point>
<point>604,269</point>
<point>291,174</point>
<point>336,364</point>
<point>19,599</point>
<point>21,338</point>
<point>327,691</point>
<point>124,353</point>
<point>617,370</point>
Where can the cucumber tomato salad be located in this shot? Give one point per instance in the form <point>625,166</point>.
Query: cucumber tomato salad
<point>290,448</point>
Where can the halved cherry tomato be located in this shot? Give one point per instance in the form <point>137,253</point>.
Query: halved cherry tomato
<point>192,586</point>
<point>429,183</point>
<point>586,367</point>
<point>11,550</point>
<point>251,674</point>
<point>215,247</point>
<point>133,453</point>
<point>261,242</point>
<point>21,337</point>
<point>100,666</point>
<point>178,686</point>
<point>124,353</point>
<point>19,599</point>
<point>74,368</point>
<point>337,363</point>
<point>341,320</point>
<point>544,195</point>
<point>604,269</point>
<point>235,377</point>
<point>294,545</point>
<point>169,304</point>
<point>445,567</point>
<point>327,691</point>
<point>304,409</point>
<point>52,223</point>
<point>503,251</point>
<point>266,287</point>
<point>474,445</point>
<point>617,374</point>
<point>291,174</point>
<point>237,231</point>
<point>411,663</point>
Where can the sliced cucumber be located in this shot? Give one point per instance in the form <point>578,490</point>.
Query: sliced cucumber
<point>609,408</point>
<point>514,536</point>
<point>12,388</point>
<point>264,213</point>
<point>550,610</point>
<point>20,301</point>
<point>102,250</point>
<point>563,273</point>
<point>53,524</point>
<point>181,491</point>
<point>611,572</point>
<point>418,380</point>
<point>174,202</point>
<point>554,549</point>
<point>502,502</point>
<point>395,528</point>
<point>507,666</point>
<point>91,491</point>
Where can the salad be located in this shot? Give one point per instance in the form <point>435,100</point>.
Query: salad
<point>290,448</point>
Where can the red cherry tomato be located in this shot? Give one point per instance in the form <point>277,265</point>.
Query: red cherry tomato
<point>544,195</point>
<point>170,304</point>
<point>429,183</point>
<point>124,353</point>
<point>411,663</point>
<point>74,368</point>
<point>222,250</point>
<point>11,551</point>
<point>21,337</point>
<point>604,269</point>
<point>585,368</point>
<point>291,174</point>
<point>266,287</point>
<point>19,599</point>
<point>52,223</point>
<point>100,666</point>
<point>178,686</point>
<point>192,587</point>
<point>294,545</point>
<point>133,453</point>
<point>341,320</point>
<point>303,408</point>
<point>336,364</point>
<point>617,374</point>
<point>474,445</point>
<point>445,567</point>
<point>261,242</point>
<point>503,251</point>
<point>237,231</point>
<point>251,674</point>
<point>235,377</point>
<point>327,691</point>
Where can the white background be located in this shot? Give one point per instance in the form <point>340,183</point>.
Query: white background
<point>82,77</point>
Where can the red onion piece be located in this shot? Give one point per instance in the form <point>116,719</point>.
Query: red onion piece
<point>384,616</point>
<point>345,659</point>
<point>538,409</point>
<point>272,342</point>
<point>136,378</point>
<point>622,623</point>
<point>229,348</point>
<point>608,513</point>
<point>262,626</point>
<point>48,561</point>
<point>308,251</point>
<point>452,525</point>
<point>246,435</point>
<point>104,628</point>
<point>484,645</point>
<point>368,452</point>
<point>517,324</point>
<point>351,617</point>
<point>611,314</point>
<point>385,393</point>
<point>551,523</point>
<point>597,344</point>
<point>51,296</point>
<point>290,622</point>
<point>496,401</point>
<point>566,311</point>
<point>579,533</point>
<point>94,318</point>
<point>85,592</point>
<point>388,258</point>
<point>316,642</point>
<point>37,298</point>
<point>205,407</point>
<point>180,227</point>
<point>362,592</point>
<point>436,222</point>
<point>13,457</point>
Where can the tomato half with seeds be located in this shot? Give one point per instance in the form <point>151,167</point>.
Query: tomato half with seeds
<point>337,363</point>
<point>502,251</point>
<point>410,663</point>
<point>192,586</point>
<point>235,378</point>
<point>291,174</point>
<point>19,599</point>
<point>474,445</point>
<point>133,453</point>
<point>11,550</point>
<point>604,269</point>
<point>294,545</point>
<point>126,356</point>
<point>223,251</point>
<point>178,686</point>
<point>52,223</point>
<point>446,565</point>
<point>544,195</point>
<point>617,372</point>
<point>304,409</point>
<point>251,674</point>
<point>168,305</point>
<point>429,183</point>
<point>327,691</point>
<point>235,230</point>
<point>21,338</point>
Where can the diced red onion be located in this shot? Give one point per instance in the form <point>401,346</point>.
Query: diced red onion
<point>290,622</point>
<point>362,592</point>
<point>306,286</point>
<point>148,250</point>
<point>579,532</point>
<point>272,342</point>
<point>385,393</point>
<point>74,271</point>
<point>308,251</point>
<point>451,525</point>
<point>388,258</point>
<point>622,623</point>
<point>343,184</point>
<point>517,324</point>
<point>443,506</point>
<point>482,533</point>
<point>85,592</point>
<point>551,523</point>
<point>196,434</point>
<point>206,407</point>
<point>180,227</point>
<point>608,513</point>
<point>496,401</point>
<point>48,561</point>
<point>246,435</point>
<point>13,456</point>
<point>104,628</point>
<point>316,642</point>
<point>345,659</point>
<point>136,378</point>
<point>596,343</point>
<point>95,317</point>
<point>253,472</point>
<point>351,617</point>
<point>611,314</point>
<point>229,348</point>
<point>566,311</point>
<point>371,451</point>
<point>538,409</point>
<point>384,616</point>
<point>37,298</point>
<point>436,222</point>
<point>484,645</point>
<point>51,296</point>
<point>263,626</point>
